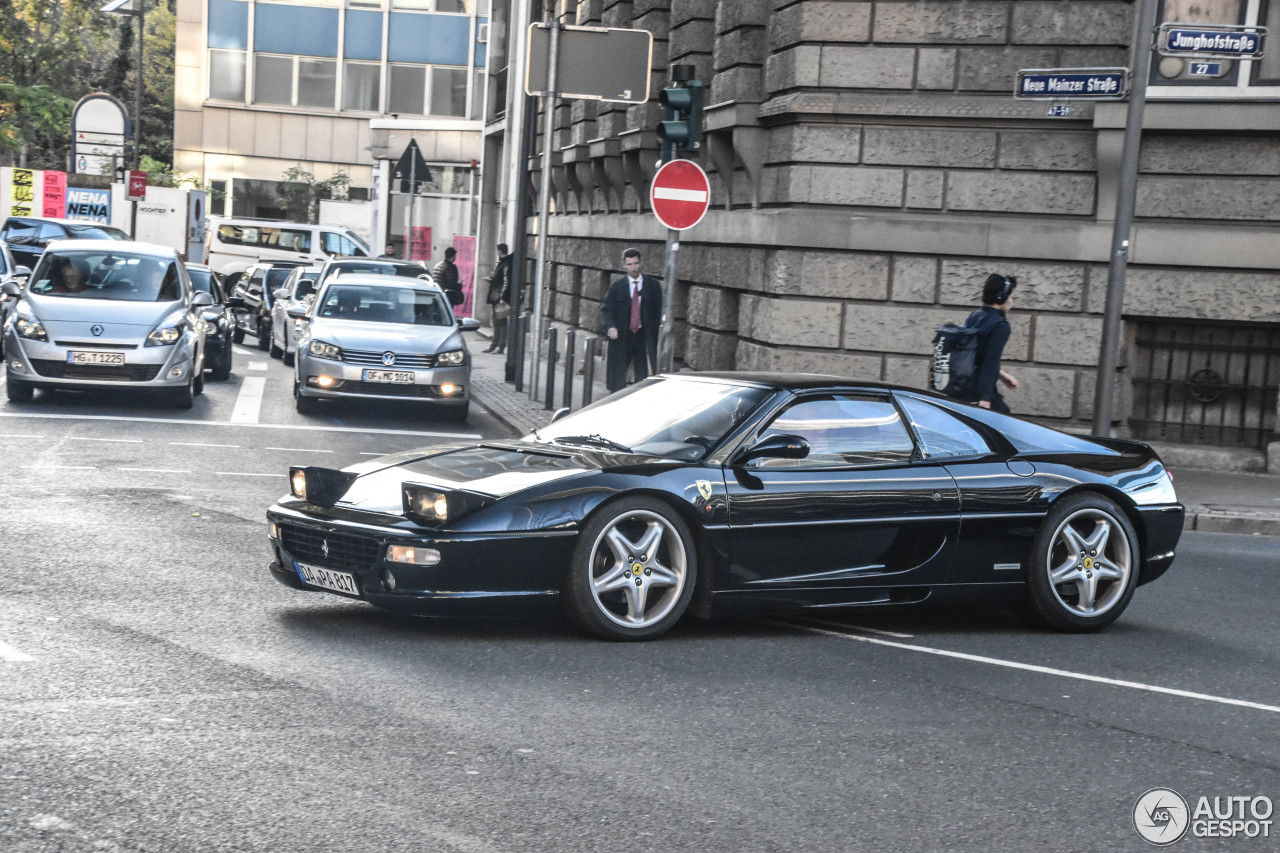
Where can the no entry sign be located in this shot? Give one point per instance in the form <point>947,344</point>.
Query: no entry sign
<point>680,194</point>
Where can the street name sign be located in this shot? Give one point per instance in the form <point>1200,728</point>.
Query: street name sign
<point>1085,84</point>
<point>1212,42</point>
<point>680,194</point>
<point>595,63</point>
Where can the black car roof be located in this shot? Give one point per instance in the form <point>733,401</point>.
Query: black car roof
<point>799,381</point>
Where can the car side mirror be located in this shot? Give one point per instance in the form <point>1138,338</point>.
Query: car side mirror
<point>201,299</point>
<point>21,272</point>
<point>280,293</point>
<point>10,288</point>
<point>468,324</point>
<point>297,312</point>
<point>774,447</point>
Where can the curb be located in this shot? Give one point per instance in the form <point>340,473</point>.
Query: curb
<point>1230,522</point>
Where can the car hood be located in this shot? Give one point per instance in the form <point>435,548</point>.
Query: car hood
<point>397,337</point>
<point>75,309</point>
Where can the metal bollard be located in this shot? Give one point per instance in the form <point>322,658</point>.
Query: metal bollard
<point>589,370</point>
<point>517,353</point>
<point>570,345</point>
<point>552,357</point>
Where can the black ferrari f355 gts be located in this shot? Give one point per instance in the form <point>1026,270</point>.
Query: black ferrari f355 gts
<point>731,493</point>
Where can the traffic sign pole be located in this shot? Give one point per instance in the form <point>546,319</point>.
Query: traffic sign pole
<point>544,206</point>
<point>679,196</point>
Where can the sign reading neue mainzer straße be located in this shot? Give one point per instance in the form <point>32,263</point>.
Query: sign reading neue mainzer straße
<point>1100,84</point>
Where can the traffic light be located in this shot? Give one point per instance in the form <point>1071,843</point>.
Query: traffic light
<point>681,128</point>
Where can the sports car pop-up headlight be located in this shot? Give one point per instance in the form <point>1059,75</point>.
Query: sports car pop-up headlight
<point>322,486</point>
<point>431,505</point>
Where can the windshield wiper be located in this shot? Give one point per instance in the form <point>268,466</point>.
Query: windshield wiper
<point>595,440</point>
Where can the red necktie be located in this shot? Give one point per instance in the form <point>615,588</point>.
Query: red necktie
<point>635,308</point>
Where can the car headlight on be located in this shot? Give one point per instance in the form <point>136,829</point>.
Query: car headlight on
<point>450,358</point>
<point>430,505</point>
<point>413,555</point>
<point>168,333</point>
<point>30,328</point>
<point>322,486</point>
<point>320,349</point>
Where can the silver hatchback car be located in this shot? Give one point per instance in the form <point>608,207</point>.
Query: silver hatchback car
<point>383,337</point>
<point>102,313</point>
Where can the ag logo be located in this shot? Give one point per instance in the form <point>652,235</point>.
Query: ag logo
<point>704,489</point>
<point>96,328</point>
<point>1161,816</point>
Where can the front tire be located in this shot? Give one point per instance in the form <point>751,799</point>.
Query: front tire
<point>185,397</point>
<point>1084,566</point>
<point>304,405</point>
<point>19,392</point>
<point>264,334</point>
<point>237,335</point>
<point>221,369</point>
<point>634,569</point>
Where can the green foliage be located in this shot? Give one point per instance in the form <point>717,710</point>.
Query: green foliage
<point>31,112</point>
<point>301,193</point>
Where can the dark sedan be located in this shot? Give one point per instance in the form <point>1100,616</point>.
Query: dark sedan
<point>219,319</point>
<point>730,493</point>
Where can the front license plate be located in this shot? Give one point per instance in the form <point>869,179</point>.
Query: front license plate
<point>400,377</point>
<point>76,357</point>
<point>327,578</point>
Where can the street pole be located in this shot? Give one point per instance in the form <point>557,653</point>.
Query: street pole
<point>1110,349</point>
<point>137,96</point>
<point>666,341</point>
<point>516,151</point>
<point>544,202</point>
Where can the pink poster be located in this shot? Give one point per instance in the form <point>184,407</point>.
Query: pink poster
<point>418,245</point>
<point>466,261</point>
<point>54,200</point>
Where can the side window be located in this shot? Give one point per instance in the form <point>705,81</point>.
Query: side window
<point>334,244</point>
<point>294,240</point>
<point>48,233</point>
<point>254,287</point>
<point>842,431</point>
<point>21,233</point>
<point>942,434</point>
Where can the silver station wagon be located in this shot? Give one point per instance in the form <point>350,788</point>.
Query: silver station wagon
<point>373,336</point>
<point>100,313</point>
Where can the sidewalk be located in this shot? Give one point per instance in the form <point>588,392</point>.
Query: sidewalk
<point>1214,485</point>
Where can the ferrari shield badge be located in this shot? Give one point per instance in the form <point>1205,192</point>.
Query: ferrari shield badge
<point>704,489</point>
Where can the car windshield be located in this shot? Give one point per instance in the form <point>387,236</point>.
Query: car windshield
<point>373,304</point>
<point>410,270</point>
<point>676,417</point>
<point>99,274</point>
<point>95,232</point>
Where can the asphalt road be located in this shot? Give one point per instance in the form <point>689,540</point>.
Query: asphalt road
<point>159,692</point>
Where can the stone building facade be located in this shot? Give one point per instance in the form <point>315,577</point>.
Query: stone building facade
<point>870,167</point>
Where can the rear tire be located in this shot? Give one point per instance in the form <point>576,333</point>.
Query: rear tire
<point>197,386</point>
<point>289,358</point>
<point>19,392</point>
<point>276,352</point>
<point>221,369</point>
<point>264,334</point>
<point>237,335</point>
<point>1084,565</point>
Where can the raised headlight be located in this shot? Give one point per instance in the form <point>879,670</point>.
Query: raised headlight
<point>30,328</point>
<point>450,358</point>
<point>320,349</point>
<point>169,332</point>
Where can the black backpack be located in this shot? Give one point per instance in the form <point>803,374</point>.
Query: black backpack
<point>955,351</point>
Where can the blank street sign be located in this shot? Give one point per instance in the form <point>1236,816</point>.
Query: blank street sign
<point>597,63</point>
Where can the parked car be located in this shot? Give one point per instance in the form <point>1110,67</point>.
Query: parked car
<point>233,245</point>
<point>28,236</point>
<point>9,271</point>
<point>100,313</point>
<point>219,320</point>
<point>383,337</point>
<point>696,492</point>
<point>298,291</point>
<point>255,288</point>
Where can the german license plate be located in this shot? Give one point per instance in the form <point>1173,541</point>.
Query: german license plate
<point>79,357</point>
<point>327,578</point>
<point>400,377</point>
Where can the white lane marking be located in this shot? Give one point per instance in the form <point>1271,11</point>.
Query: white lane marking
<point>249,402</point>
<point>61,467</point>
<point>679,195</point>
<point>158,470</point>
<point>1042,670</point>
<point>368,453</point>
<point>243,350</point>
<point>258,365</point>
<point>194,422</point>
<point>117,440</point>
<point>244,474</point>
<point>19,435</point>
<point>838,625</point>
<point>297,450</point>
<point>197,444</point>
<point>9,653</point>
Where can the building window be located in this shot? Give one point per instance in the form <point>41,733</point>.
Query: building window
<point>317,82</point>
<point>361,84</point>
<point>409,90</point>
<point>273,79</point>
<point>448,92</point>
<point>226,75</point>
<point>1214,78</point>
<point>459,6</point>
<point>407,93</point>
<point>288,81</point>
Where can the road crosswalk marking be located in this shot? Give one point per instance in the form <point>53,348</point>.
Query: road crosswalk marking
<point>9,653</point>
<point>249,402</point>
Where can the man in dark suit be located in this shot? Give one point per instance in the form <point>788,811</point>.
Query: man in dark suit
<point>632,316</point>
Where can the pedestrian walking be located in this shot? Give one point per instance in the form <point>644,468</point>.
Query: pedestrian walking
<point>632,316</point>
<point>390,252</point>
<point>445,274</point>
<point>992,326</point>
<point>499,300</point>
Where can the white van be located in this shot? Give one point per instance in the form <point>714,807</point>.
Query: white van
<point>233,245</point>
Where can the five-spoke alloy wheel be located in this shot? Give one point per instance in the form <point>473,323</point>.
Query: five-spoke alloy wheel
<point>633,570</point>
<point>1086,564</point>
